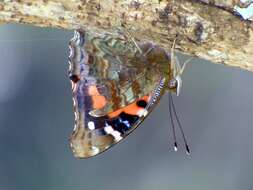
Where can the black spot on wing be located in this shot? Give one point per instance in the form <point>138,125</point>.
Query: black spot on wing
<point>74,78</point>
<point>123,122</point>
<point>141,103</point>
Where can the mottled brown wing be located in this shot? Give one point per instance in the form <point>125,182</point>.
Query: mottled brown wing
<point>113,68</point>
<point>113,91</point>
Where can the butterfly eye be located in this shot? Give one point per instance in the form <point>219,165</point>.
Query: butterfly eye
<point>173,83</point>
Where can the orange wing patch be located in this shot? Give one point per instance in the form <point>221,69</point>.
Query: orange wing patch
<point>98,100</point>
<point>131,109</point>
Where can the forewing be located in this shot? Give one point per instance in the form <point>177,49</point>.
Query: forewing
<point>113,91</point>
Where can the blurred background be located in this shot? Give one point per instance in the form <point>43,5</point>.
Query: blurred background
<point>36,119</point>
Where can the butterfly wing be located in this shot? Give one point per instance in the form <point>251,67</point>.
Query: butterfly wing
<point>113,91</point>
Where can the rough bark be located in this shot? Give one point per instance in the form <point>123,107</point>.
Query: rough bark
<point>209,29</point>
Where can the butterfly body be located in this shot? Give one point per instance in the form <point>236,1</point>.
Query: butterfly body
<point>115,86</point>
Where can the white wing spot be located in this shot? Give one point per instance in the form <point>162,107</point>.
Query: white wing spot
<point>108,129</point>
<point>143,113</point>
<point>91,125</point>
<point>116,134</point>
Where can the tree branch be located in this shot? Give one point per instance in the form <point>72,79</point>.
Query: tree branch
<point>208,29</point>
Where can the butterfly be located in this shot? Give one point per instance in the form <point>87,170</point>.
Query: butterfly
<point>116,83</point>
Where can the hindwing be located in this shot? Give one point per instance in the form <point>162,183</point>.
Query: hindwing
<point>114,88</point>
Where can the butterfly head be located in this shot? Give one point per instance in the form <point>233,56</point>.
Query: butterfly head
<point>175,80</point>
<point>176,71</point>
<point>175,84</point>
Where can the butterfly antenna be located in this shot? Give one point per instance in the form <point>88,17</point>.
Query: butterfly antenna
<point>184,65</point>
<point>173,64</point>
<point>180,126</point>
<point>172,123</point>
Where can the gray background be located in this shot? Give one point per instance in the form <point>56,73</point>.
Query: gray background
<point>36,119</point>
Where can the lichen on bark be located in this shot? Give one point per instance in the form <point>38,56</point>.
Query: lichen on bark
<point>208,29</point>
